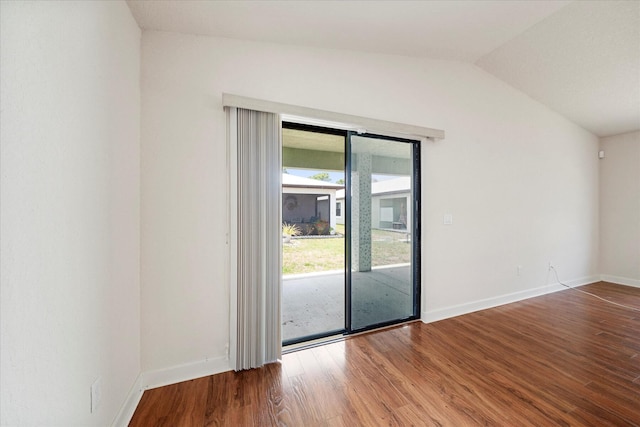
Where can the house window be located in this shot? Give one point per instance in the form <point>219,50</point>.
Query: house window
<point>338,208</point>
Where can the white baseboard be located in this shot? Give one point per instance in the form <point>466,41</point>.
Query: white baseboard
<point>429,316</point>
<point>620,280</point>
<point>161,377</point>
<point>188,371</point>
<point>130,404</point>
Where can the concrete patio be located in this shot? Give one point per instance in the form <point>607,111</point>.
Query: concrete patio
<point>314,303</point>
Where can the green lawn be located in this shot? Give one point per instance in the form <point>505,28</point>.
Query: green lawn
<point>309,255</point>
<point>313,255</point>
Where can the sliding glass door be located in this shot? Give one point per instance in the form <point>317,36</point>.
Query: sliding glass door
<point>383,230</point>
<point>350,216</point>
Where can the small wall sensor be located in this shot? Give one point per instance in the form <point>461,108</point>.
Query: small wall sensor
<point>601,154</point>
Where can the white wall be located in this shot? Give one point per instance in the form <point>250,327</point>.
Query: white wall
<point>69,210</point>
<point>620,209</point>
<point>520,180</point>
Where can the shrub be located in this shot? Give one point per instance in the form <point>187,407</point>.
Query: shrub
<point>290,229</point>
<point>322,227</point>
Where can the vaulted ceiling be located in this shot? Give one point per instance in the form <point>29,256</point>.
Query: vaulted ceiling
<point>580,58</point>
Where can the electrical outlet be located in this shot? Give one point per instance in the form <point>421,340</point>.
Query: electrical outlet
<point>519,270</point>
<point>96,394</point>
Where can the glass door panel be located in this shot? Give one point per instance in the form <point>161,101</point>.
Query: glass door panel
<point>313,245</point>
<point>382,231</point>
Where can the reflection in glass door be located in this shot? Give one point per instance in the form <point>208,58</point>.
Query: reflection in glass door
<point>382,227</point>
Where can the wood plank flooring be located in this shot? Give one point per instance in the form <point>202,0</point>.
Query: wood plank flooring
<point>561,359</point>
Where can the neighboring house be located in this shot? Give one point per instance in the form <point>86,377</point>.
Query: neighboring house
<point>306,201</point>
<point>390,204</point>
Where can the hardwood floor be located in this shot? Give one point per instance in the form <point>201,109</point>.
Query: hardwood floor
<point>561,359</point>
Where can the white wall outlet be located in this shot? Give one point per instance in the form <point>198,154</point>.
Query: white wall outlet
<point>519,270</point>
<point>96,394</point>
<point>447,219</point>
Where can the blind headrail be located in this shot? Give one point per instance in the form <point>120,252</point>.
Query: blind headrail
<point>345,120</point>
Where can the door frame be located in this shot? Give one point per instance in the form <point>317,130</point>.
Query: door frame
<point>415,229</point>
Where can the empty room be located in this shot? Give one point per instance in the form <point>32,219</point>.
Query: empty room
<point>319,213</point>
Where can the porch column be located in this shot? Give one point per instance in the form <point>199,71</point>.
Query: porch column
<point>332,210</point>
<point>361,213</point>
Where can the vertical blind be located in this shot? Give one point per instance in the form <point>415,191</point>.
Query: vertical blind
<point>256,237</point>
